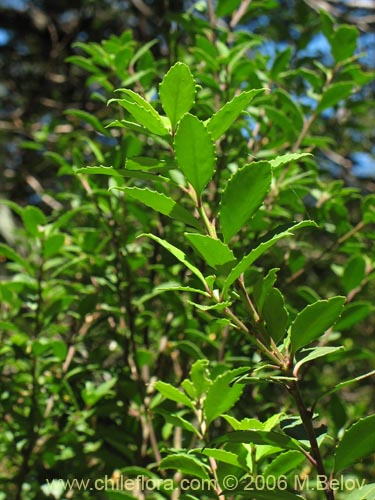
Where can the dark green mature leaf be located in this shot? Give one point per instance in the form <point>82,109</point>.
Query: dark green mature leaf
<point>334,94</point>
<point>172,393</point>
<point>344,42</point>
<point>243,195</point>
<point>214,252</point>
<point>187,464</point>
<point>195,153</point>
<point>260,437</point>
<point>223,456</point>
<point>223,119</point>
<point>354,272</point>
<point>8,252</point>
<point>284,463</point>
<point>275,314</point>
<point>161,203</point>
<point>251,257</point>
<point>142,111</point>
<point>314,320</point>
<point>176,420</point>
<point>353,314</point>
<point>221,397</point>
<point>177,92</point>
<point>357,442</point>
<point>179,254</point>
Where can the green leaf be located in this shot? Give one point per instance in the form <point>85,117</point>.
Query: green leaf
<point>88,118</point>
<point>243,195</point>
<point>357,442</point>
<point>52,245</point>
<point>226,7</point>
<point>199,376</point>
<point>281,62</point>
<point>142,111</point>
<point>223,456</point>
<point>314,353</point>
<point>315,320</point>
<point>32,218</point>
<point>250,258</point>
<point>91,394</point>
<point>270,438</point>
<point>8,252</point>
<point>221,397</point>
<point>344,42</point>
<point>284,463</point>
<point>327,22</point>
<point>353,314</point>
<point>366,492</point>
<point>282,160</point>
<point>354,272</point>
<point>187,464</point>
<point>334,94</point>
<point>177,92</point>
<point>177,421</point>
<point>263,286</point>
<point>275,314</point>
<point>195,153</point>
<point>172,393</point>
<point>223,119</point>
<point>173,286</point>
<point>161,203</point>
<point>179,254</point>
<point>274,495</point>
<point>215,253</point>
<point>145,163</point>
<point>341,385</point>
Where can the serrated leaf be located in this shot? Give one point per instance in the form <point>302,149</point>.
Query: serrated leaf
<point>279,161</point>
<point>179,254</point>
<point>243,195</point>
<point>161,203</point>
<point>142,111</point>
<point>223,119</point>
<point>8,252</point>
<point>220,396</point>
<point>314,353</point>
<point>177,92</point>
<point>144,163</point>
<point>334,94</point>
<point>284,463</point>
<point>187,464</point>
<point>215,253</point>
<point>251,257</point>
<point>223,456</point>
<point>315,320</point>
<point>270,438</point>
<point>357,442</point>
<point>195,153</point>
<point>172,393</point>
<point>344,42</point>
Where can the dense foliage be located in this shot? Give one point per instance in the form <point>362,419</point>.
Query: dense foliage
<point>196,303</point>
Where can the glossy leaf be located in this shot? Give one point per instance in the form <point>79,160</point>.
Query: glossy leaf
<point>250,258</point>
<point>187,464</point>
<point>179,254</point>
<point>259,437</point>
<point>315,320</point>
<point>357,442</point>
<point>284,463</point>
<point>223,119</point>
<point>314,353</point>
<point>282,160</point>
<point>221,397</point>
<point>161,203</point>
<point>334,94</point>
<point>142,111</point>
<point>172,393</point>
<point>223,456</point>
<point>177,92</point>
<point>195,152</point>
<point>243,195</point>
<point>215,253</point>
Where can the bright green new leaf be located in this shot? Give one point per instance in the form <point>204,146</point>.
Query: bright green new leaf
<point>344,42</point>
<point>243,195</point>
<point>275,314</point>
<point>8,252</point>
<point>177,92</point>
<point>282,160</point>
<point>161,203</point>
<point>367,492</point>
<point>199,376</point>
<point>142,111</point>
<point>221,397</point>
<point>284,463</point>
<point>187,464</point>
<point>172,393</point>
<point>214,252</point>
<point>314,320</point>
<point>354,272</point>
<point>195,152</point>
<point>179,254</point>
<point>314,353</point>
<point>32,218</point>
<point>223,119</point>
<point>358,442</point>
<point>334,94</point>
<point>223,456</point>
<point>52,245</point>
<point>251,257</point>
